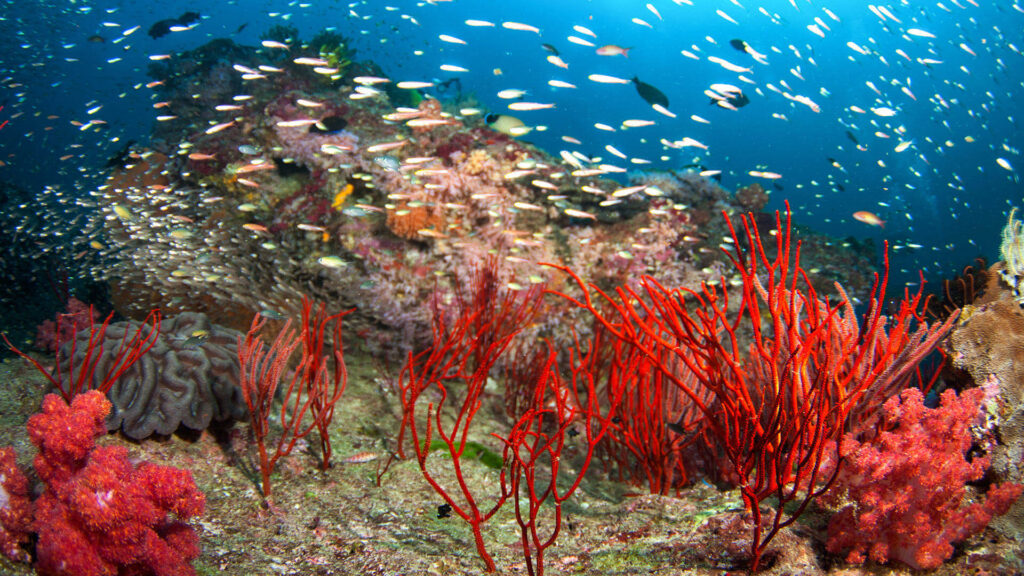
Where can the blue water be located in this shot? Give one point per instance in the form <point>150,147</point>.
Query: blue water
<point>943,193</point>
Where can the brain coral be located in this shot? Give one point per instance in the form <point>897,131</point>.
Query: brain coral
<point>188,377</point>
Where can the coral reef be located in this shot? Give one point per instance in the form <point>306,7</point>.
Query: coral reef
<point>188,378</point>
<point>904,489</point>
<point>752,198</point>
<point>292,171</point>
<point>101,514</point>
<point>320,182</point>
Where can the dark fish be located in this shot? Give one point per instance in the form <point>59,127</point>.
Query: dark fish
<point>329,125</point>
<point>96,39</point>
<point>444,511</point>
<point>163,27</point>
<point>852,137</point>
<point>738,44</point>
<point>188,18</point>
<point>287,169</point>
<point>649,93</point>
<point>242,27</point>
<point>450,84</point>
<point>550,48</point>
<point>120,158</point>
<point>735,99</point>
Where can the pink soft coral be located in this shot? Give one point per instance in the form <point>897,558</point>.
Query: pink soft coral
<point>100,514</point>
<point>904,490</point>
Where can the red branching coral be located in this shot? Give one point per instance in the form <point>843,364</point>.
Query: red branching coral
<point>15,508</point>
<point>904,489</point>
<point>100,514</point>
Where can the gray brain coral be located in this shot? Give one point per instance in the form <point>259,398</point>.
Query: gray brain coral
<point>189,377</point>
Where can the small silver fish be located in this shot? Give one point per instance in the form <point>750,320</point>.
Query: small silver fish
<point>387,162</point>
<point>354,212</point>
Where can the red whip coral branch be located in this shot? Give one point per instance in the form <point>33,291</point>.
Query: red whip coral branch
<point>660,430</point>
<point>907,484</point>
<point>323,386</point>
<point>81,376</point>
<point>456,369</point>
<point>776,404</point>
<point>564,411</point>
<point>310,387</point>
<point>100,515</point>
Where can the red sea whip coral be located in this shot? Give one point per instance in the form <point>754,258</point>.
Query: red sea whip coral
<point>100,514</point>
<point>907,485</point>
<point>810,369</point>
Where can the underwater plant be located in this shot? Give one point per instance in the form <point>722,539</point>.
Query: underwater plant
<point>563,411</point>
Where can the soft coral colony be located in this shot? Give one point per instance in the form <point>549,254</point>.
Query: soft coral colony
<point>628,341</point>
<point>99,514</point>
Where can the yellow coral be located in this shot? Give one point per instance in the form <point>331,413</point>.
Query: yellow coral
<point>477,161</point>
<point>1012,247</point>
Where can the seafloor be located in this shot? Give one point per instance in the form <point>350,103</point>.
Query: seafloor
<point>343,521</point>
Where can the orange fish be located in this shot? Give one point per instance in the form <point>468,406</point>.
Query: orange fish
<point>869,218</point>
<point>361,458</point>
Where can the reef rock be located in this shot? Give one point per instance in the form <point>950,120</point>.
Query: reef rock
<point>988,343</point>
